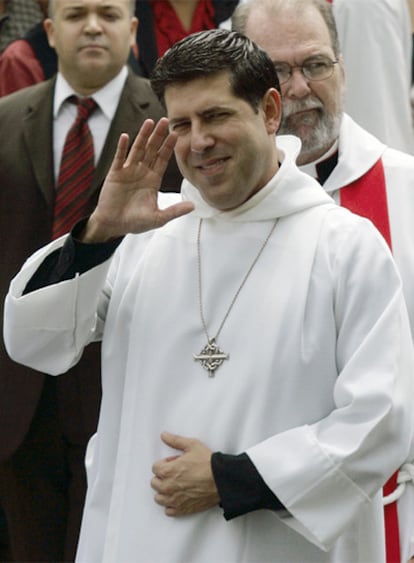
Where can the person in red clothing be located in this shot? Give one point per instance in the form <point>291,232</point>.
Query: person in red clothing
<point>164,22</point>
<point>28,60</point>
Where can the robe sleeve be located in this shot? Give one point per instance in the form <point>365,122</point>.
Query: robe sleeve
<point>325,472</point>
<point>71,312</point>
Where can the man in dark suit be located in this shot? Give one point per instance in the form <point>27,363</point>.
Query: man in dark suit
<point>46,422</point>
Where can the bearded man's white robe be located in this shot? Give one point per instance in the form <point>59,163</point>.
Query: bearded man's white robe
<point>317,389</point>
<point>358,151</point>
<point>375,41</point>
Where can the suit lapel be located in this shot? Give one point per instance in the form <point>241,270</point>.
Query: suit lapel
<point>135,101</point>
<point>38,136</point>
<point>130,114</point>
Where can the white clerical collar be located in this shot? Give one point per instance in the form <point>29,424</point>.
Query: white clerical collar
<point>107,97</point>
<point>287,192</point>
<point>310,168</point>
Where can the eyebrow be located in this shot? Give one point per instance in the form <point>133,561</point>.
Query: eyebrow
<point>308,58</point>
<point>100,7</point>
<point>204,113</point>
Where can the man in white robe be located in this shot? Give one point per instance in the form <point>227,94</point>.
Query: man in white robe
<point>337,151</point>
<point>298,300</point>
<point>376,43</point>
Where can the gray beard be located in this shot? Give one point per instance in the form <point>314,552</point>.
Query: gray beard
<point>319,140</point>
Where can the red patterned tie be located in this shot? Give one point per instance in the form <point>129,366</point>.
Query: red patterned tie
<point>76,171</point>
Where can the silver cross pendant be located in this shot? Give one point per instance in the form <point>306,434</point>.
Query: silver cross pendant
<point>211,357</point>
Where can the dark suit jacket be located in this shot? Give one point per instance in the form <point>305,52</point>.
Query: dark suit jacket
<point>26,211</point>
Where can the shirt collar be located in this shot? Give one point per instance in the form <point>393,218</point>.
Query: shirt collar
<point>288,192</point>
<point>311,169</point>
<point>107,97</point>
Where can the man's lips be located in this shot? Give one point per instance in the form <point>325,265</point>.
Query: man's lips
<point>302,111</point>
<point>94,46</point>
<point>308,116</point>
<point>212,166</point>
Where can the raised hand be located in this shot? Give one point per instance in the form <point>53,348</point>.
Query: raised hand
<point>128,199</point>
<point>184,484</point>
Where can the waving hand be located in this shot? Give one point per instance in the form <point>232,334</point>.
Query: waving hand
<point>128,199</point>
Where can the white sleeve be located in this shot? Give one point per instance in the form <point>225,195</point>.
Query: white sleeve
<point>48,329</point>
<point>326,472</point>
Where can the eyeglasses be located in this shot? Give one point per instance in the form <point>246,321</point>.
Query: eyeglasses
<point>312,69</point>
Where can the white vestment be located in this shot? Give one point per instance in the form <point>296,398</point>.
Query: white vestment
<point>317,389</point>
<point>358,151</point>
<point>375,40</point>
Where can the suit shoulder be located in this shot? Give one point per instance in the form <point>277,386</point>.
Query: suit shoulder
<point>140,94</point>
<point>26,96</point>
<point>141,88</point>
<point>138,81</point>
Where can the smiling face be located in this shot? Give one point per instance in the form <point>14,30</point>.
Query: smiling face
<point>92,39</point>
<point>224,148</point>
<point>312,110</point>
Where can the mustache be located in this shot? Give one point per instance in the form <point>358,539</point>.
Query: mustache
<point>291,107</point>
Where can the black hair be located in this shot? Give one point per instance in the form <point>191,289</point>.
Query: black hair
<point>251,71</point>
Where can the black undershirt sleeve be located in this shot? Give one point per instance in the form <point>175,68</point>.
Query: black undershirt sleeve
<point>240,486</point>
<point>74,257</point>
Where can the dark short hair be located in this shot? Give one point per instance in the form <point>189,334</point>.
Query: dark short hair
<point>206,53</point>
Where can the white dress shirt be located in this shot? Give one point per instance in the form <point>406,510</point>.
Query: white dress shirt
<point>64,114</point>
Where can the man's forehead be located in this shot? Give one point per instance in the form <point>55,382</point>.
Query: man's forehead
<point>102,4</point>
<point>281,33</point>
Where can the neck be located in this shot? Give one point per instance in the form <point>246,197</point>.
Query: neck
<point>314,156</point>
<point>83,85</point>
<point>185,11</point>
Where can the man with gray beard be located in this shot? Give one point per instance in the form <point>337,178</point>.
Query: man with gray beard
<point>354,167</point>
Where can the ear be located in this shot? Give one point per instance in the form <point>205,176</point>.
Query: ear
<point>48,27</point>
<point>272,109</point>
<point>134,27</point>
<point>342,70</point>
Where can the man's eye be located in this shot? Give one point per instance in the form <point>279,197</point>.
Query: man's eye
<point>180,127</point>
<point>316,66</point>
<point>73,16</point>
<point>217,115</point>
<point>111,16</point>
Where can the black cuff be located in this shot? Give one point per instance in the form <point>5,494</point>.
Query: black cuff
<point>240,486</point>
<point>73,258</point>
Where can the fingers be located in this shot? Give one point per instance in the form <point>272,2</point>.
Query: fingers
<point>166,496</point>
<point>174,440</point>
<point>121,152</point>
<point>166,215</point>
<point>153,146</point>
<point>137,150</point>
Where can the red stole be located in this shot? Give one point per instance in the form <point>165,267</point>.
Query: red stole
<point>367,197</point>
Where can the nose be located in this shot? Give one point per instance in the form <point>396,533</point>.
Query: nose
<point>201,138</point>
<point>92,24</point>
<point>297,86</point>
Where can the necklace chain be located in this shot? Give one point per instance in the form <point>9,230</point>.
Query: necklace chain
<point>200,287</point>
